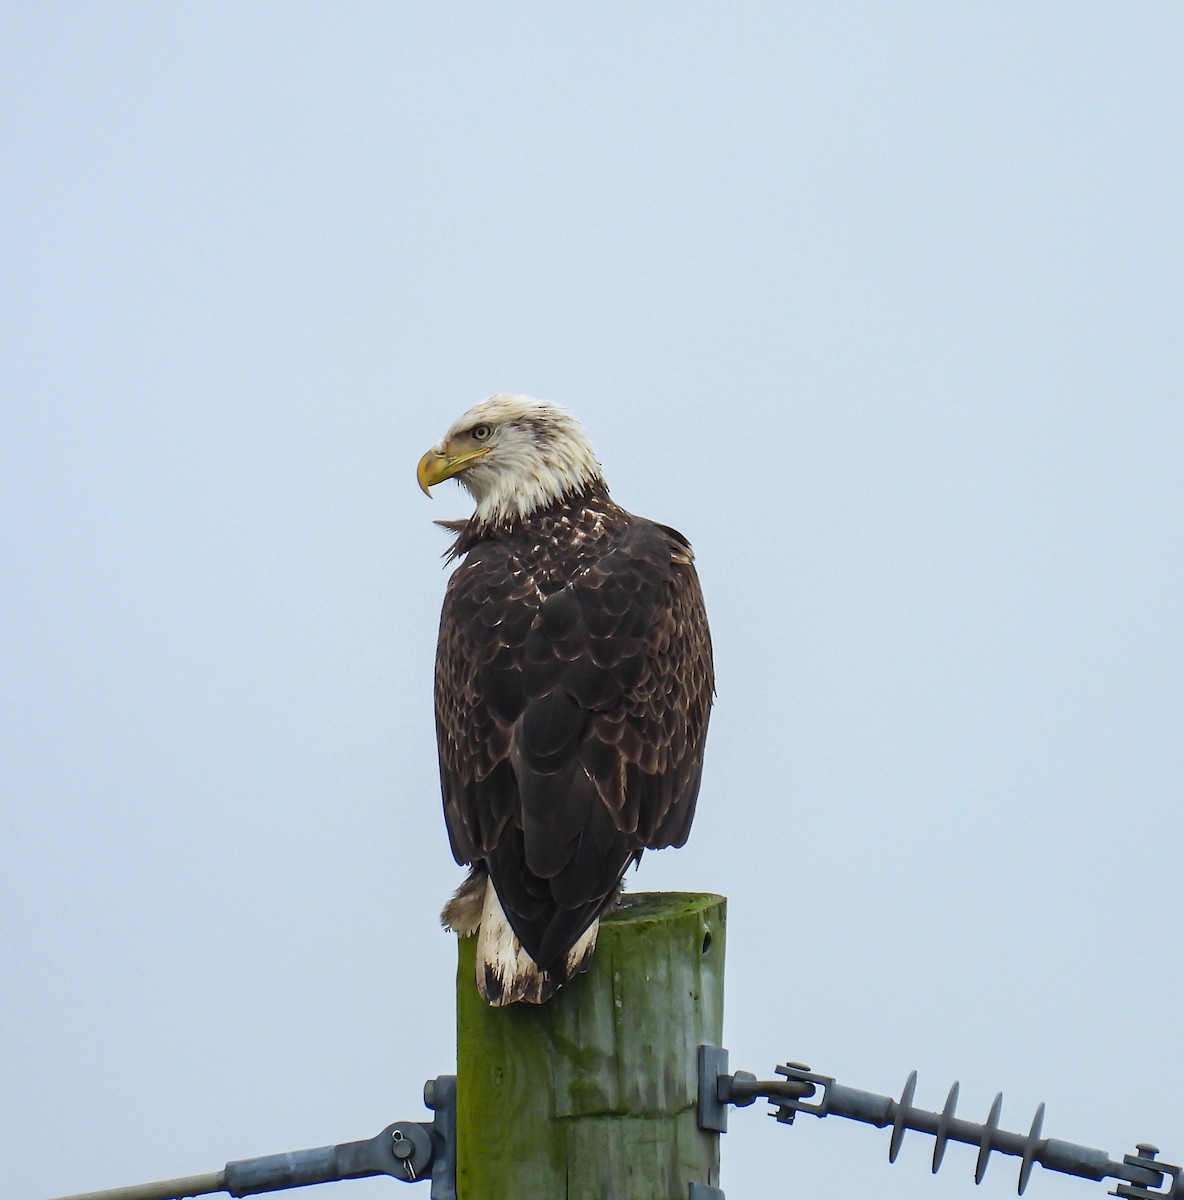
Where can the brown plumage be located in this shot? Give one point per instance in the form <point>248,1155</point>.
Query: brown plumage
<point>573,686</point>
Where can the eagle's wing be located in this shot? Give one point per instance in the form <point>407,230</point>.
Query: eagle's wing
<point>571,724</point>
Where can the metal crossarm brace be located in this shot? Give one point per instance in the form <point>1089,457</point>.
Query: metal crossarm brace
<point>1141,1175</point>
<point>407,1150</point>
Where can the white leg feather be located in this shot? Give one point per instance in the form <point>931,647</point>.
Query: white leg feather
<point>506,974</point>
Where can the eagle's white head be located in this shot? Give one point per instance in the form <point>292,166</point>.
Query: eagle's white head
<point>515,455</point>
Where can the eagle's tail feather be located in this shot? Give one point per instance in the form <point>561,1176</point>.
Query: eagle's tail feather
<point>506,974</point>
<point>462,914</point>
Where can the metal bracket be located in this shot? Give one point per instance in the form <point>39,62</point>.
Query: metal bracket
<point>718,1089</point>
<point>439,1095</point>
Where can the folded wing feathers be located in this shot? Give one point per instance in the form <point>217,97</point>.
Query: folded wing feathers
<point>571,711</point>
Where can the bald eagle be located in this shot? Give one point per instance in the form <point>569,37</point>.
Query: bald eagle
<point>574,681</point>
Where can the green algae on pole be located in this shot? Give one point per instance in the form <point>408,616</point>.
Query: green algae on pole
<point>592,1095</point>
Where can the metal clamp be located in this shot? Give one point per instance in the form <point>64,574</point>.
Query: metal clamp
<point>1167,1181</point>
<point>718,1089</point>
<point>402,1150</point>
<point>407,1150</point>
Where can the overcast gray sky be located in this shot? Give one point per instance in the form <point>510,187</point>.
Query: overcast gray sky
<point>879,304</point>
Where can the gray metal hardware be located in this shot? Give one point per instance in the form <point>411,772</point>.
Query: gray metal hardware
<point>718,1089</point>
<point>407,1150</point>
<point>1141,1175</point>
<point>704,1191</point>
<point>439,1095</point>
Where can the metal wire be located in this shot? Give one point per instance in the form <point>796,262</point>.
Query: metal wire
<point>162,1189</point>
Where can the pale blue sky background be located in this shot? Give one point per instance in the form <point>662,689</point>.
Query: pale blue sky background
<point>880,304</point>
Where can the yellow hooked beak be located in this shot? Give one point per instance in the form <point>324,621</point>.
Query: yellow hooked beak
<point>436,466</point>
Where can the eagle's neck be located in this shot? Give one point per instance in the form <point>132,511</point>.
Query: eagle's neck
<point>526,474</point>
<point>582,517</point>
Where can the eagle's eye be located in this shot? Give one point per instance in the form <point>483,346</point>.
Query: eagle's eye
<point>481,432</point>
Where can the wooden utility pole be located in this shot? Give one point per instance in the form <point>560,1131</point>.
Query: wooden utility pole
<point>592,1095</point>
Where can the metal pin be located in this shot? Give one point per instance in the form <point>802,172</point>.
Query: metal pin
<point>403,1148</point>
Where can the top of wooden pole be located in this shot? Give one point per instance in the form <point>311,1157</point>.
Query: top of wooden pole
<point>659,906</point>
<point>593,1094</point>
